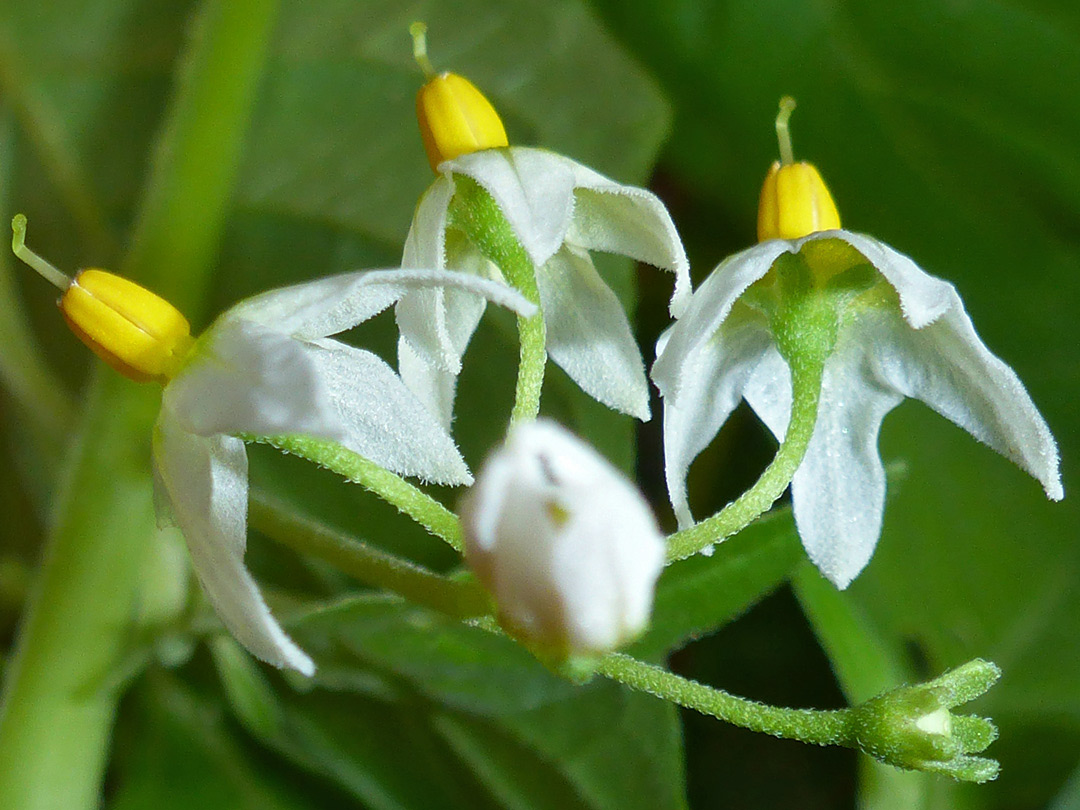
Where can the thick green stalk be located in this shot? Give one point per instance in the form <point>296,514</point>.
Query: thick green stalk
<point>392,488</point>
<point>806,725</point>
<point>740,513</point>
<point>370,565</point>
<point>479,216</point>
<point>56,717</point>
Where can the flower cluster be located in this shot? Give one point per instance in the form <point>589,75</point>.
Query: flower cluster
<point>822,331</point>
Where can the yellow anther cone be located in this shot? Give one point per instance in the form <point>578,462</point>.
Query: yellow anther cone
<point>795,201</point>
<point>455,118</point>
<point>139,334</point>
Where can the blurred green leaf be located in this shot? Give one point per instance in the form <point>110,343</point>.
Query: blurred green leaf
<point>699,595</point>
<point>448,662</point>
<point>182,754</point>
<point>432,691</point>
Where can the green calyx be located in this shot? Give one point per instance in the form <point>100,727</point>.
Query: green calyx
<point>913,727</point>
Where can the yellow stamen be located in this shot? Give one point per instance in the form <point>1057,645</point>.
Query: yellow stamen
<point>795,201</point>
<point>455,118</point>
<point>139,334</point>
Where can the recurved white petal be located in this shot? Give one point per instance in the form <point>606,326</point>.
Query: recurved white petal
<point>439,322</point>
<point>588,334</point>
<point>247,378</point>
<point>434,387</point>
<point>948,367</point>
<point>710,305</point>
<point>534,189</point>
<point>205,481</point>
<point>302,308</point>
<point>712,378</point>
<point>384,421</point>
<point>838,492</point>
<point>331,305</point>
<point>425,244</point>
<point>923,297</point>
<point>628,221</point>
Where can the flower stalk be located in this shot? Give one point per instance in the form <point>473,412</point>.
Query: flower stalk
<point>392,488</point>
<point>804,319</point>
<point>461,599</point>
<point>478,215</point>
<point>756,501</point>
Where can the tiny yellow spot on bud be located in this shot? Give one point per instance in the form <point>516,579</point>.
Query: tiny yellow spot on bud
<point>454,117</point>
<point>139,334</point>
<point>795,201</point>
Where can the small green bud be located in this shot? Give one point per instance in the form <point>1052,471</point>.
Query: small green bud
<point>912,727</point>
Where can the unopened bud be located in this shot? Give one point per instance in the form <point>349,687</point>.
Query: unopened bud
<point>455,118</point>
<point>913,727</point>
<point>565,543</point>
<point>795,201</point>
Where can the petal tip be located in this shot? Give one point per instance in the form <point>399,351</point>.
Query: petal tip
<point>302,663</point>
<point>1054,490</point>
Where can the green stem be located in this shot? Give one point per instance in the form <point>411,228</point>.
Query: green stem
<point>57,712</point>
<point>392,488</point>
<point>56,719</point>
<point>806,725</point>
<point>370,565</point>
<point>478,215</point>
<point>740,513</point>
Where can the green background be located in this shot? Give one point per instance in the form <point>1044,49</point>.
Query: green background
<point>948,130</point>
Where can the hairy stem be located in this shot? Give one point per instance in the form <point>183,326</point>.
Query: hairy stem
<point>478,215</point>
<point>806,725</point>
<point>372,566</point>
<point>740,513</point>
<point>392,488</point>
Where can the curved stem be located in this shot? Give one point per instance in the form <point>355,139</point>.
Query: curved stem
<point>532,359</point>
<point>740,513</point>
<point>370,565</point>
<point>478,215</point>
<point>392,488</point>
<point>806,725</point>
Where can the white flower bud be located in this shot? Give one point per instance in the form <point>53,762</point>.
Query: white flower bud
<point>566,544</point>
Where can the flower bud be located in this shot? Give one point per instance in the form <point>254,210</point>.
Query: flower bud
<point>565,543</point>
<point>912,727</point>
<point>795,202</point>
<point>139,334</point>
<point>455,119</point>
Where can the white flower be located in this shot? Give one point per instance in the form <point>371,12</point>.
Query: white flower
<point>266,367</point>
<point>913,340</point>
<point>565,543</point>
<point>559,210</point>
